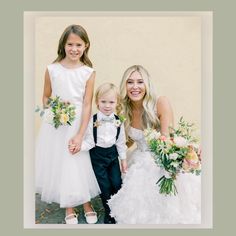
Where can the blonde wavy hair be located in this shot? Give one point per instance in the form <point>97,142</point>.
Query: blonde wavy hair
<point>107,88</point>
<point>149,116</point>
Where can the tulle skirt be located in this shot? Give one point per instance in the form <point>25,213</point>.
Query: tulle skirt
<point>63,178</point>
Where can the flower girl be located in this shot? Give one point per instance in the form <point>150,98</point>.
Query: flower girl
<point>64,175</point>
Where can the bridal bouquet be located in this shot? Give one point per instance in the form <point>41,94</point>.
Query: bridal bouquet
<point>175,154</point>
<point>58,112</point>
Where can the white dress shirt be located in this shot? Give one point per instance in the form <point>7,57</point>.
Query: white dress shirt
<point>106,135</point>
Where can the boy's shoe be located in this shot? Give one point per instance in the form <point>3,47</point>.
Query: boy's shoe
<point>109,220</point>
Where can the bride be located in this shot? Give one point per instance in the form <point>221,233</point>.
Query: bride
<point>139,200</point>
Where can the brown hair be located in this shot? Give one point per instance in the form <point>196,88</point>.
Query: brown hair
<point>81,32</point>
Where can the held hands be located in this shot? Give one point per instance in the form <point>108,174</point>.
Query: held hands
<point>74,144</point>
<point>124,166</point>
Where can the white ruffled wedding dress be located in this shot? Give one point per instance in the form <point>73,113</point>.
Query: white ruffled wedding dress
<point>139,200</point>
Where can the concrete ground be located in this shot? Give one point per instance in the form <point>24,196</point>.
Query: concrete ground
<point>53,214</point>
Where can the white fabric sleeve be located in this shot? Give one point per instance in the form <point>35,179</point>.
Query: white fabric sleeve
<point>121,143</point>
<point>88,141</point>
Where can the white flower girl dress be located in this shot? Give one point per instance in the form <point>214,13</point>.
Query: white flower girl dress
<point>61,177</point>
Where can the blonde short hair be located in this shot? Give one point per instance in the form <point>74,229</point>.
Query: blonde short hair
<point>107,88</point>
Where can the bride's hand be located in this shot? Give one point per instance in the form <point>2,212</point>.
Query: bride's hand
<point>199,153</point>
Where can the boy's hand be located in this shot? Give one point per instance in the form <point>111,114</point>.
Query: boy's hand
<point>124,166</point>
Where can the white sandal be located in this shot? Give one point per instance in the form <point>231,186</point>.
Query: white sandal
<point>71,220</point>
<point>91,217</point>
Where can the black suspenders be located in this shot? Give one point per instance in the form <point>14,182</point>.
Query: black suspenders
<point>95,128</point>
<point>118,128</point>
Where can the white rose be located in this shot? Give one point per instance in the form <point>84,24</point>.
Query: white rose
<point>117,123</point>
<point>151,134</point>
<point>173,156</point>
<point>155,135</point>
<point>175,164</point>
<point>180,141</point>
<point>48,116</point>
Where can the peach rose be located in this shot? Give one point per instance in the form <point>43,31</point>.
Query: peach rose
<point>191,161</point>
<point>163,138</point>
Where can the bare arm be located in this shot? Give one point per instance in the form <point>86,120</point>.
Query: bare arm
<point>76,141</point>
<point>47,91</point>
<point>87,105</point>
<point>165,115</point>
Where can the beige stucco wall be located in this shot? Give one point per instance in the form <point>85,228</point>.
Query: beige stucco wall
<point>169,47</point>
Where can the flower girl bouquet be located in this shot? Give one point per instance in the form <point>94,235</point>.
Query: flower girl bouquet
<point>175,154</point>
<point>58,112</point>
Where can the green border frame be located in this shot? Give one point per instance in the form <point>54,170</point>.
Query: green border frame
<point>12,100</point>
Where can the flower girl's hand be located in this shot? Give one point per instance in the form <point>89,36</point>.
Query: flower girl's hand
<point>74,144</point>
<point>124,166</point>
<point>71,146</point>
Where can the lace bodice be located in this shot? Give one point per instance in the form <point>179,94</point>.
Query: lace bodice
<point>138,137</point>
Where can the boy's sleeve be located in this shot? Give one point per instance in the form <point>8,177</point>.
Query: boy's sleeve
<point>121,143</point>
<point>88,141</point>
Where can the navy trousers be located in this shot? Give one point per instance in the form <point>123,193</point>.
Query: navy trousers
<point>107,171</point>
